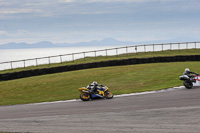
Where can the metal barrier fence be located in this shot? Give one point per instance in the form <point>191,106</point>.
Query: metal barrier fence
<point>105,52</point>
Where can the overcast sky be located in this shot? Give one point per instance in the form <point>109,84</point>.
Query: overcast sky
<point>60,21</point>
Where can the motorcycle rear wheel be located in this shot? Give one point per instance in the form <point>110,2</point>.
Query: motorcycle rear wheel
<point>85,96</point>
<point>188,84</point>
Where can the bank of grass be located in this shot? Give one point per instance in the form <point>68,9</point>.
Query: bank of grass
<point>118,57</point>
<point>120,79</point>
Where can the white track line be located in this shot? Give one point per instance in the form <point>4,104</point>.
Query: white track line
<point>150,92</point>
<point>121,95</point>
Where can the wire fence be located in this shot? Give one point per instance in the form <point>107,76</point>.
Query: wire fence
<point>105,52</point>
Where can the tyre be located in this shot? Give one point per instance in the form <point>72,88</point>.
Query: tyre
<point>108,95</point>
<point>188,84</point>
<point>85,96</point>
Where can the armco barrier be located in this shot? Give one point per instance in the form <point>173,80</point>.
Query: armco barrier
<point>131,61</point>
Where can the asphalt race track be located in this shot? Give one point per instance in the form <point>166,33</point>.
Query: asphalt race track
<point>176,111</point>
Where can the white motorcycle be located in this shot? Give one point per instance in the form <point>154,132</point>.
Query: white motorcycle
<point>190,82</point>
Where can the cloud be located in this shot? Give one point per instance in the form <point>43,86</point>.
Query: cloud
<point>17,34</point>
<point>41,8</point>
<point>114,1</point>
<point>88,19</point>
<point>107,1</point>
<point>22,36</point>
<point>3,34</point>
<point>67,0</point>
<point>18,11</point>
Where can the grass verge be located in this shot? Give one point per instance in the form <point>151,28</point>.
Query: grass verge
<point>120,80</point>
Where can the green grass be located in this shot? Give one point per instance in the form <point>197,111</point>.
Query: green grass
<point>118,57</point>
<point>120,79</point>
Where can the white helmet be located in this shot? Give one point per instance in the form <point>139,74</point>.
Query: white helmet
<point>94,83</point>
<point>187,69</point>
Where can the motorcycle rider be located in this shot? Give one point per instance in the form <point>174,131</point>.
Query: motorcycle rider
<point>188,72</point>
<point>93,87</point>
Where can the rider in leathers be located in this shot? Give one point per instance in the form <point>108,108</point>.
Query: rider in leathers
<point>93,87</point>
<point>188,72</point>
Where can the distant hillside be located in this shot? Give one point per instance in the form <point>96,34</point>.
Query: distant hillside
<point>46,44</point>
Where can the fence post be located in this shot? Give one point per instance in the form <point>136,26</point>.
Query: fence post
<point>11,65</point>
<point>84,55</point>
<point>61,59</point>
<point>170,46</point>
<point>116,51</point>
<point>24,64</point>
<point>126,50</point>
<point>162,47</point>
<point>195,45</point>
<point>36,62</point>
<point>179,46</point>
<point>49,61</point>
<point>136,49</point>
<point>144,48</point>
<point>153,47</point>
<point>72,57</point>
<point>186,45</point>
<point>95,54</point>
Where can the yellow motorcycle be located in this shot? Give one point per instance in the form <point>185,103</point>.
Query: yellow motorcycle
<point>102,92</point>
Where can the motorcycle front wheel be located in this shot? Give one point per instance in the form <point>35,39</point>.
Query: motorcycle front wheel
<point>85,96</point>
<point>108,95</point>
<point>188,84</point>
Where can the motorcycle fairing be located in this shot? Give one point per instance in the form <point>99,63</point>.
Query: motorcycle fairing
<point>100,93</point>
<point>95,96</point>
<point>83,89</point>
<point>197,78</point>
<point>183,77</point>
